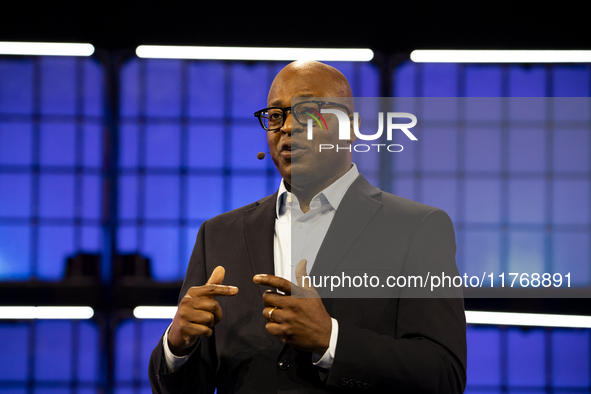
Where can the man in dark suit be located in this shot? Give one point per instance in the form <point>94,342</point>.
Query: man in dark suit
<point>270,341</point>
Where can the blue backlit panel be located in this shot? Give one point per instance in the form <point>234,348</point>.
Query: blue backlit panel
<point>526,150</point>
<point>204,78</point>
<point>483,151</point>
<point>481,252</point>
<point>162,197</point>
<point>134,342</point>
<point>526,81</point>
<point>527,201</point>
<point>187,152</point>
<point>482,204</point>
<point>58,88</point>
<point>15,194</point>
<point>50,356</point>
<point>163,88</point>
<point>439,80</point>
<point>571,201</point>
<point>15,254</point>
<point>439,149</point>
<point>58,196</point>
<point>571,151</point>
<point>163,148</point>
<point>249,90</point>
<point>16,80</point>
<point>483,80</point>
<point>526,358</point>
<point>51,152</point>
<point>521,172</point>
<point>571,81</point>
<point>13,342</point>
<point>526,251</point>
<point>570,358</point>
<point>569,249</point>
<point>247,189</point>
<point>519,200</point>
<point>55,242</point>
<point>161,244</point>
<point>206,148</point>
<point>205,197</point>
<point>484,357</point>
<point>246,143</point>
<point>58,144</point>
<point>16,143</point>
<point>441,193</point>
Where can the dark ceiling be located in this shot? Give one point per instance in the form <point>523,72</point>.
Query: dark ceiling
<point>391,27</point>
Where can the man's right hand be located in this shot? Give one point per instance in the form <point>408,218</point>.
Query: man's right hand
<point>197,313</point>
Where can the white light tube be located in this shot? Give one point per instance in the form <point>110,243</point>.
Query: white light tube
<point>499,56</point>
<point>252,53</point>
<point>45,48</point>
<point>46,312</point>
<point>154,312</point>
<point>528,319</point>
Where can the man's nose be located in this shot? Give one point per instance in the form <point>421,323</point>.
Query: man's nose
<point>287,126</point>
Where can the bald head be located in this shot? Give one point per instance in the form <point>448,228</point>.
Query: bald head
<point>329,81</point>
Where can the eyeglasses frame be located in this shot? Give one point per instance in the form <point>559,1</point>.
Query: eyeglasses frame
<point>320,104</point>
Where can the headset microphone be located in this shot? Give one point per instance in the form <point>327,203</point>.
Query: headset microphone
<point>261,155</point>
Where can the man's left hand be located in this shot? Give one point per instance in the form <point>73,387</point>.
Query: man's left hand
<point>300,322</point>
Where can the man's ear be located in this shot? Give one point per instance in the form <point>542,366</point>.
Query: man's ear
<point>352,134</point>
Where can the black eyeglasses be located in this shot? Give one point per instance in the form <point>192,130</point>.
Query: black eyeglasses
<point>273,118</point>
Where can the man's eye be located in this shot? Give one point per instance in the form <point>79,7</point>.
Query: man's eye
<point>275,116</point>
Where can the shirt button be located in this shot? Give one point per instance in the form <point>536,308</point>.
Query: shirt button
<point>283,365</point>
<point>300,225</point>
<point>288,198</point>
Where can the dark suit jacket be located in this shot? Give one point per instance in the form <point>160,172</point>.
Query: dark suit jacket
<point>402,345</point>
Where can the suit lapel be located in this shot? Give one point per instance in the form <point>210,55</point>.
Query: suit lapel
<point>358,207</point>
<point>259,231</point>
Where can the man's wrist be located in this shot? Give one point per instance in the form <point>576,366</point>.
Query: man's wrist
<point>328,356</point>
<point>174,362</point>
<point>179,351</point>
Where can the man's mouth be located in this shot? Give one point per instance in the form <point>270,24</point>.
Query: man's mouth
<point>289,150</point>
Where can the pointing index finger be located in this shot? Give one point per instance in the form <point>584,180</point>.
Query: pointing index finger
<point>273,281</point>
<point>212,290</point>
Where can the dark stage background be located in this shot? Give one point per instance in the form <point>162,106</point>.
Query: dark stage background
<point>114,155</point>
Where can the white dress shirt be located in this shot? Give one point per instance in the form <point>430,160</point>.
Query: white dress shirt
<point>298,236</point>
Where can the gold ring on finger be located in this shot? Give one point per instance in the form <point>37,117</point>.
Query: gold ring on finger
<point>271,314</point>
